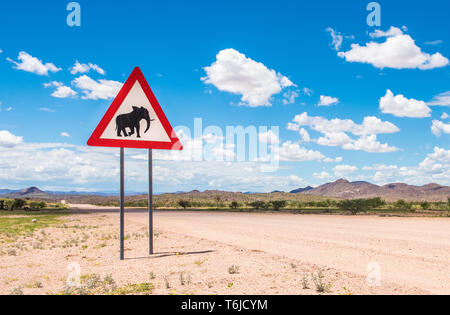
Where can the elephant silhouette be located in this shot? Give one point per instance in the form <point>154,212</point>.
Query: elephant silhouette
<point>132,120</point>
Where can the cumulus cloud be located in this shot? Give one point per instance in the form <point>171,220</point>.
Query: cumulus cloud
<point>235,73</point>
<point>327,100</point>
<point>28,63</point>
<point>442,99</point>
<point>65,135</point>
<point>94,90</point>
<point>370,125</point>
<point>322,175</point>
<point>344,170</point>
<point>369,143</point>
<point>291,151</point>
<point>61,91</point>
<point>398,51</point>
<point>85,68</point>
<point>435,168</point>
<point>401,106</point>
<point>444,116</point>
<point>335,132</point>
<point>8,140</point>
<point>438,127</point>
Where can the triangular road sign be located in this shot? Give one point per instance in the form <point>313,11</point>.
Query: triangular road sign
<point>135,120</point>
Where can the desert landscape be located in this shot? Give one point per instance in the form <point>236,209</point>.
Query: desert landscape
<point>223,253</point>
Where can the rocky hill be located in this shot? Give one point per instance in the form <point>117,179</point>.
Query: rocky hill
<point>352,190</point>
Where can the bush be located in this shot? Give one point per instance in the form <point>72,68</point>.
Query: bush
<point>358,205</point>
<point>184,204</point>
<point>234,205</point>
<point>19,203</point>
<point>278,204</point>
<point>402,205</point>
<point>257,205</point>
<point>425,205</point>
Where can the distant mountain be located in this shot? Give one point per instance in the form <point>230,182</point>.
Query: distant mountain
<point>30,191</point>
<point>352,190</point>
<point>7,191</point>
<point>301,190</point>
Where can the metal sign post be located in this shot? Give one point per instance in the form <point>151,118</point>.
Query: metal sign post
<point>150,200</point>
<point>122,203</point>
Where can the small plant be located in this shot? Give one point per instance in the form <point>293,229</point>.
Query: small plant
<point>167,283</point>
<point>17,291</point>
<point>305,283</point>
<point>293,266</point>
<point>230,285</point>
<point>233,269</point>
<point>152,276</point>
<point>321,286</point>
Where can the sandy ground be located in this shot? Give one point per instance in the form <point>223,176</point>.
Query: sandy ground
<point>273,254</point>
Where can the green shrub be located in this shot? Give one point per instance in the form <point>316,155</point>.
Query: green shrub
<point>184,204</point>
<point>278,204</point>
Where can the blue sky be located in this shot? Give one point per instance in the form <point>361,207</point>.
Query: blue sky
<point>248,63</point>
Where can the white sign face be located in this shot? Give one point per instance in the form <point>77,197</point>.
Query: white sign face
<point>136,120</point>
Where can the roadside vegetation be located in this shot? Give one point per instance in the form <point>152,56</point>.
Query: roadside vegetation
<point>336,206</point>
<point>29,205</point>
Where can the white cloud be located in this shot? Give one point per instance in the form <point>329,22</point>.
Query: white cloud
<point>399,51</point>
<point>290,97</point>
<point>444,116</point>
<point>327,100</point>
<point>400,106</point>
<point>8,140</point>
<point>45,109</point>
<point>32,64</point>
<point>438,127</point>
<point>330,160</point>
<point>64,134</point>
<point>71,167</point>
<point>369,144</point>
<point>64,92</point>
<point>336,37</point>
<point>334,139</point>
<point>322,175</point>
<point>94,90</point>
<point>304,135</point>
<point>269,137</point>
<point>235,73</point>
<point>442,99</point>
<point>370,125</point>
<point>61,91</point>
<point>85,68</point>
<point>290,151</point>
<point>434,42</point>
<point>344,170</point>
<point>393,31</point>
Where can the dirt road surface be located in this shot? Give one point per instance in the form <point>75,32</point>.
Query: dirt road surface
<point>412,252</point>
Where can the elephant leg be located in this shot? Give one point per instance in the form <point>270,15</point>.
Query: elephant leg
<point>119,130</point>
<point>138,129</point>
<point>124,130</point>
<point>132,131</point>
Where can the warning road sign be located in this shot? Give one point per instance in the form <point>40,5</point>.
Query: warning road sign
<point>135,120</point>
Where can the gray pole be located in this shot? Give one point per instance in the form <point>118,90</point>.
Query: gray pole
<point>122,197</point>
<point>150,200</point>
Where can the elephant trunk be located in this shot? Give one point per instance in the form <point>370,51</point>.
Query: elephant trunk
<point>147,119</point>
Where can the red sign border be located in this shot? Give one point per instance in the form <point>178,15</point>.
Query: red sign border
<point>95,139</point>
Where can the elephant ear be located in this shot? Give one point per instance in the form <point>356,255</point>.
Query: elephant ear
<point>135,108</point>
